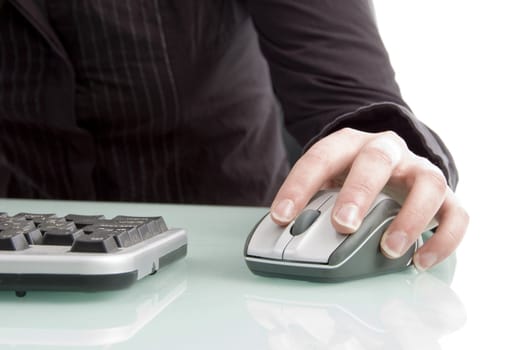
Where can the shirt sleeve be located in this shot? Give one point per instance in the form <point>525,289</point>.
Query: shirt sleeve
<point>331,70</point>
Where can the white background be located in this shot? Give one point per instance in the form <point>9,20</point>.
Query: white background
<point>461,66</point>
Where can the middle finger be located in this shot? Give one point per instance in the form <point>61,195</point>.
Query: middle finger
<point>369,173</point>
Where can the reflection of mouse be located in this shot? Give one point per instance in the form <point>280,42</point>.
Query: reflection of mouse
<point>309,248</point>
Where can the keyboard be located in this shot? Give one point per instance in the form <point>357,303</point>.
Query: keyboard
<point>83,252</point>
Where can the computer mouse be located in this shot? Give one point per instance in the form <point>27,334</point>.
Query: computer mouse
<point>309,248</point>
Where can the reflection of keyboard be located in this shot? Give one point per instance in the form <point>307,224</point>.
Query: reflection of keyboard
<point>83,253</point>
<point>64,320</point>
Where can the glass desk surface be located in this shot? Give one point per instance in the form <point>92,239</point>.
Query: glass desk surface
<point>211,300</point>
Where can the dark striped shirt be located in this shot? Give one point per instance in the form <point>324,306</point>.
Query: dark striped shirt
<point>126,95</point>
<point>172,101</point>
<point>136,140</point>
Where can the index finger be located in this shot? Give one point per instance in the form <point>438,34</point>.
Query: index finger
<point>325,159</point>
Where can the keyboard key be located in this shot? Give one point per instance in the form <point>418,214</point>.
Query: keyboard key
<point>12,239</point>
<point>61,236</point>
<point>17,223</point>
<point>135,236</point>
<point>144,231</point>
<point>120,232</point>
<point>21,225</point>
<point>33,236</point>
<point>105,225</point>
<point>155,224</point>
<point>96,242</point>
<point>36,218</point>
<point>122,237</point>
<point>59,223</point>
<point>84,220</point>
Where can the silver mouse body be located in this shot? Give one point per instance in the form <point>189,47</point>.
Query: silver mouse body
<point>309,248</point>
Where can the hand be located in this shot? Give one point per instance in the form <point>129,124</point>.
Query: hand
<point>364,164</point>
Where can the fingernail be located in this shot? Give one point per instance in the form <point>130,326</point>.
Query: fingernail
<point>284,210</point>
<point>425,260</point>
<point>347,216</point>
<point>394,243</point>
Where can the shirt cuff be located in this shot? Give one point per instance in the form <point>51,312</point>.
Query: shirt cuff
<point>384,116</point>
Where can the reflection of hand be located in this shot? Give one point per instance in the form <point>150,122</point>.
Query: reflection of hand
<point>406,313</point>
<point>420,322</point>
<point>293,326</point>
<point>363,164</point>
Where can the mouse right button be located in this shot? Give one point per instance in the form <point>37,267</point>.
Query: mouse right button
<point>360,255</point>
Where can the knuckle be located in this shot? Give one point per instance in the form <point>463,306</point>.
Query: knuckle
<point>416,216</point>
<point>463,216</point>
<point>453,237</point>
<point>454,232</point>
<point>292,191</point>
<point>466,216</point>
<point>318,154</point>
<point>391,135</point>
<point>386,148</point>
<point>436,179</point>
<point>347,132</point>
<point>364,188</point>
<point>380,155</point>
<point>352,136</point>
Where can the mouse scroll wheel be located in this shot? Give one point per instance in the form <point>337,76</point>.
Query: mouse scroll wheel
<point>303,221</point>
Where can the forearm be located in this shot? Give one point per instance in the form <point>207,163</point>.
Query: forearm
<point>331,70</point>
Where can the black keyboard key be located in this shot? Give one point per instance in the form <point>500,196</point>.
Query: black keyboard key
<point>18,224</point>
<point>155,224</point>
<point>96,242</point>
<point>121,235</point>
<point>33,236</point>
<point>124,235</point>
<point>13,219</point>
<point>60,224</point>
<point>107,225</point>
<point>143,231</point>
<point>36,218</point>
<point>61,236</point>
<point>82,221</point>
<point>135,236</point>
<point>21,225</point>
<point>12,239</point>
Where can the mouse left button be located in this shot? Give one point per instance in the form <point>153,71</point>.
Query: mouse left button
<point>268,240</point>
